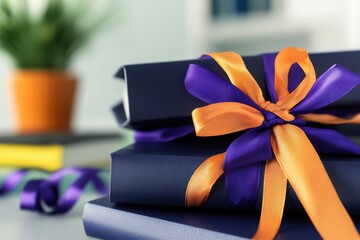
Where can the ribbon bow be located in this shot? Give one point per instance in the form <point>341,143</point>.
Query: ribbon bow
<point>276,134</point>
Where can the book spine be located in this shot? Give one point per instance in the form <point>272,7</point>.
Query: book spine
<point>113,224</point>
<point>162,180</point>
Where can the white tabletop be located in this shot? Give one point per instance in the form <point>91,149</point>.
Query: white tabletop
<point>16,224</point>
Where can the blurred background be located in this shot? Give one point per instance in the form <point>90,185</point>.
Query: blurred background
<point>164,30</point>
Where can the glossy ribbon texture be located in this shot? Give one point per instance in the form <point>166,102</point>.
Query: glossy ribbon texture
<point>12,181</point>
<point>45,196</point>
<point>276,133</point>
<point>163,134</point>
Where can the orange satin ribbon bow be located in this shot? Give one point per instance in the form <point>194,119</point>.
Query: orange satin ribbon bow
<point>295,159</point>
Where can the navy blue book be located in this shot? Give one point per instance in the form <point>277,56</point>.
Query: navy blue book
<point>155,94</point>
<point>111,221</point>
<point>158,173</point>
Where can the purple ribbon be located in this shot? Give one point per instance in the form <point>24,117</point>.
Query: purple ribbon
<point>12,181</point>
<point>245,155</point>
<point>44,196</point>
<point>164,134</point>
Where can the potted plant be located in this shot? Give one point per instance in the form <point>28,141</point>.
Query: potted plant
<point>42,47</point>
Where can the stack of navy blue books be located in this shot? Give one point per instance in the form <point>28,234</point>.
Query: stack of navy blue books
<point>149,179</point>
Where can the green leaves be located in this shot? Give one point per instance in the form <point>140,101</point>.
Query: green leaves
<point>51,39</point>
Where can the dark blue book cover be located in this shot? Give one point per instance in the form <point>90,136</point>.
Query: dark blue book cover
<point>111,221</point>
<point>155,94</point>
<point>158,173</point>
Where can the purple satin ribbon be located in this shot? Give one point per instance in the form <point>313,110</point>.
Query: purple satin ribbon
<point>12,181</point>
<point>245,155</point>
<point>43,195</point>
<point>164,134</point>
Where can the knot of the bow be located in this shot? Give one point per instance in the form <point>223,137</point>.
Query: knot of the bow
<point>284,114</point>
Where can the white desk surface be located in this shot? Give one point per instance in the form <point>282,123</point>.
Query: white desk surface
<point>16,224</point>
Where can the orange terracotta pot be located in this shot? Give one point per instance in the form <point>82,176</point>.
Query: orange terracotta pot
<point>44,100</point>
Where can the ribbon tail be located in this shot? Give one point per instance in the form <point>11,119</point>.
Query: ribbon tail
<point>330,142</point>
<point>217,88</point>
<point>242,185</point>
<point>273,201</point>
<point>203,179</point>
<point>164,134</point>
<point>330,119</point>
<point>306,174</point>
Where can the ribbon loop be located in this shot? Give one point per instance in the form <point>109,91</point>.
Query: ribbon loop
<point>238,74</point>
<point>275,184</point>
<point>226,117</point>
<point>283,62</point>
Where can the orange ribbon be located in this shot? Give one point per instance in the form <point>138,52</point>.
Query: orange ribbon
<point>330,119</point>
<point>295,159</point>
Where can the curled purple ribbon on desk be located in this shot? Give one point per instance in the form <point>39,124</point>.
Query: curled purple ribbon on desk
<point>12,181</point>
<point>44,196</point>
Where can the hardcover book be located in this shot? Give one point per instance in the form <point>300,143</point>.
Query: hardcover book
<point>111,221</point>
<point>155,94</point>
<point>158,174</point>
